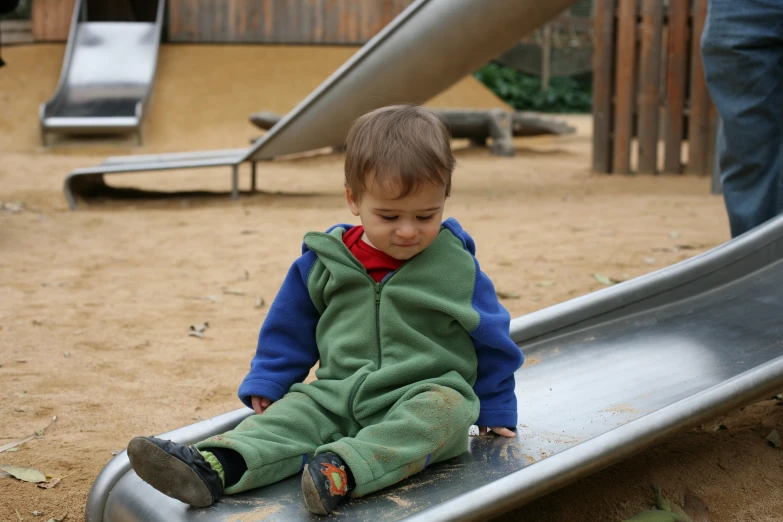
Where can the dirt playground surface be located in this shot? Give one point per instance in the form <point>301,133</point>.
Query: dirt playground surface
<point>95,305</point>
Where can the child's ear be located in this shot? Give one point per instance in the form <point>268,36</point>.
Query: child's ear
<point>351,200</point>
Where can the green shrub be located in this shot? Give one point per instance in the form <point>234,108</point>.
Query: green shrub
<point>22,12</point>
<point>523,91</point>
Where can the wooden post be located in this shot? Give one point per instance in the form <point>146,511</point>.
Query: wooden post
<point>253,176</point>
<point>624,85</point>
<point>603,61</point>
<point>698,118</point>
<point>649,82</point>
<point>676,74</point>
<point>235,182</point>
<point>546,57</point>
<point>500,130</point>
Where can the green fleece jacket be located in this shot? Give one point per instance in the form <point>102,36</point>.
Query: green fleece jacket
<point>435,317</point>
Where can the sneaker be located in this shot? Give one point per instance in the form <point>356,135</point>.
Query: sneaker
<point>326,480</point>
<point>176,470</point>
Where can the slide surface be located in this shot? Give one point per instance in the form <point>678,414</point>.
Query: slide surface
<point>423,51</point>
<point>107,75</point>
<point>607,375</point>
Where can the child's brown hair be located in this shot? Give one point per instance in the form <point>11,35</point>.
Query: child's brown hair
<point>401,146</point>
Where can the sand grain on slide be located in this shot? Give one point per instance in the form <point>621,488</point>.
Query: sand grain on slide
<point>116,286</point>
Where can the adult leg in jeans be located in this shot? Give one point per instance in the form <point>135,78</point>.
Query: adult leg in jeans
<point>742,50</point>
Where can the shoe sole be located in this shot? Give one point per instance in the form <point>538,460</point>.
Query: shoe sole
<point>311,497</point>
<point>167,473</point>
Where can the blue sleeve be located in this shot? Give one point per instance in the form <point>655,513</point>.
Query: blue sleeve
<point>498,357</point>
<point>286,345</point>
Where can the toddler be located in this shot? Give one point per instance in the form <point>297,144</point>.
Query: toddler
<point>413,345</point>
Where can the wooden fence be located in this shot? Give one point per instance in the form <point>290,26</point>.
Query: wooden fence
<point>649,92</point>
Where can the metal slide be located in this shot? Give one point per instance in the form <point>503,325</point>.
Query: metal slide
<point>107,76</point>
<point>607,375</point>
<point>427,48</point>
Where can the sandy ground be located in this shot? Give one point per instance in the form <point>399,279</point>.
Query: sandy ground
<point>95,305</point>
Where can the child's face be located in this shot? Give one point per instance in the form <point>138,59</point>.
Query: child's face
<point>400,228</point>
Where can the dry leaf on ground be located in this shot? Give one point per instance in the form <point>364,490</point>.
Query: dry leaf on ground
<point>38,433</point>
<point>210,298</point>
<point>604,280</point>
<point>23,473</point>
<point>696,508</point>
<point>774,439</point>
<point>49,485</point>
<point>12,207</point>
<point>197,330</point>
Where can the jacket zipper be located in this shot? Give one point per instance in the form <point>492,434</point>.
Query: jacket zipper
<point>378,321</point>
<point>378,287</point>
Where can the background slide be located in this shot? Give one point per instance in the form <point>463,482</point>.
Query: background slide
<point>107,76</point>
<point>426,49</point>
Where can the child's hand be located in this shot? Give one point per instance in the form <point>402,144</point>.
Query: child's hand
<point>260,404</point>
<point>503,432</point>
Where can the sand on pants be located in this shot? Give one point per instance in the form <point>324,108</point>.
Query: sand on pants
<point>95,305</point>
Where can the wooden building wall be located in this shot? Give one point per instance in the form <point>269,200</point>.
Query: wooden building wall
<point>237,21</point>
<point>280,21</point>
<point>51,20</point>
<point>119,11</point>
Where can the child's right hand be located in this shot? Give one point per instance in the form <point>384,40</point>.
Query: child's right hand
<point>260,404</point>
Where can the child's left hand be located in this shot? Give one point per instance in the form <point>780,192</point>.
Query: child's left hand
<point>503,432</point>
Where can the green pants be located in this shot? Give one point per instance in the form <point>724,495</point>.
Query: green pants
<point>427,424</point>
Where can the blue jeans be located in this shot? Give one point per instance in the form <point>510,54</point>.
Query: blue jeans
<point>742,50</point>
